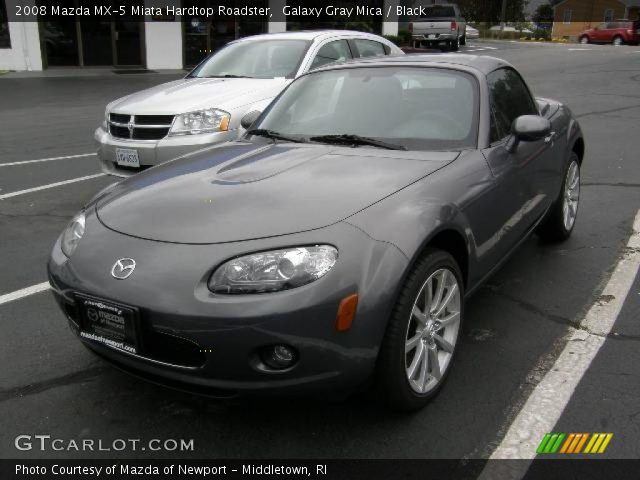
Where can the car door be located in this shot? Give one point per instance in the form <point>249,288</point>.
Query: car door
<point>599,33</point>
<point>519,173</point>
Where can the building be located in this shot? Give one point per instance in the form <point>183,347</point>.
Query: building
<point>571,17</point>
<point>148,41</point>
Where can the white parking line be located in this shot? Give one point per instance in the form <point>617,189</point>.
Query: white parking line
<point>550,397</point>
<point>25,292</point>
<point>51,185</point>
<point>25,162</point>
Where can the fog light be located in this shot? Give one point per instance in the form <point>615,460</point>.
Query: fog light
<point>279,357</point>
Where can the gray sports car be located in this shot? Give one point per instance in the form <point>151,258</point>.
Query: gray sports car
<point>332,245</point>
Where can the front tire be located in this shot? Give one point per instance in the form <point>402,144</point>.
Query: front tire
<point>421,338</point>
<point>584,40</point>
<point>561,218</point>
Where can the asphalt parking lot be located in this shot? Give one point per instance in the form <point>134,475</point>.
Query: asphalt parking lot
<point>517,325</point>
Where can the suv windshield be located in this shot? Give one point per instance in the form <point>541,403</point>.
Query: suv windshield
<point>254,59</point>
<point>413,108</point>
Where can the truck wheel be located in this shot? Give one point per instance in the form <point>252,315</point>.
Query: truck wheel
<point>455,45</point>
<point>463,40</point>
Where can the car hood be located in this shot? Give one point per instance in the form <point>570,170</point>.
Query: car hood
<point>189,94</point>
<point>245,191</point>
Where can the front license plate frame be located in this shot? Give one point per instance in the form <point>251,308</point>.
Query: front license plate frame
<point>127,157</point>
<point>109,323</point>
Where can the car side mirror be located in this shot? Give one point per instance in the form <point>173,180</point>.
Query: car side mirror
<point>528,128</point>
<point>249,119</point>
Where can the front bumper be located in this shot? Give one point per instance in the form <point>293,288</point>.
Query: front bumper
<point>153,152</point>
<point>197,341</point>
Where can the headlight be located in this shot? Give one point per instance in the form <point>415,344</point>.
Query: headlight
<point>273,271</point>
<point>211,120</point>
<point>72,235</point>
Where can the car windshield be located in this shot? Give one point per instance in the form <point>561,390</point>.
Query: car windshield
<point>254,59</point>
<point>415,108</point>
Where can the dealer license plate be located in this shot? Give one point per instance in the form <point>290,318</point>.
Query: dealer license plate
<point>127,157</point>
<point>108,323</point>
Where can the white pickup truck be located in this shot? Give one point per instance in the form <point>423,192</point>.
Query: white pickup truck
<point>439,25</point>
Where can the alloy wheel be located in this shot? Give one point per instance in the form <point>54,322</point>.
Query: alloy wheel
<point>571,195</point>
<point>432,331</point>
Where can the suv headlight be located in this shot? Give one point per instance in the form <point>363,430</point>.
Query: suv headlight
<point>273,271</point>
<point>72,234</point>
<point>202,121</point>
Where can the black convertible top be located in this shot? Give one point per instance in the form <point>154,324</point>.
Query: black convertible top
<point>481,63</point>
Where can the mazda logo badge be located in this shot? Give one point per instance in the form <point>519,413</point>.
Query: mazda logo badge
<point>123,268</point>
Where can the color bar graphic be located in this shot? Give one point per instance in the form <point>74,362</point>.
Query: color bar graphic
<point>573,443</point>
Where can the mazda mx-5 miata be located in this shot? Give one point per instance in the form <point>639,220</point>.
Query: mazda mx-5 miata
<point>333,245</point>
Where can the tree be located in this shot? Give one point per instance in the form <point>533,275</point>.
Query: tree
<point>543,16</point>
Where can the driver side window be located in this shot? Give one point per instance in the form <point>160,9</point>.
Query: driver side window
<point>509,98</point>
<point>337,51</point>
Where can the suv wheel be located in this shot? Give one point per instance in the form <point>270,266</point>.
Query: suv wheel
<point>584,40</point>
<point>617,41</point>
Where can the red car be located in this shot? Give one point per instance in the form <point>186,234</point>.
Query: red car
<point>617,32</point>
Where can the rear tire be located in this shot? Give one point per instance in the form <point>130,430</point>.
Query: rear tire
<point>561,218</point>
<point>618,40</point>
<point>463,40</point>
<point>455,45</point>
<point>419,345</point>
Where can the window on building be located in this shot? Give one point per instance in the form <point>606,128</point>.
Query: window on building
<point>566,19</point>
<point>608,15</point>
<point>5,39</point>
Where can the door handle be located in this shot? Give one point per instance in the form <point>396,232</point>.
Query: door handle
<point>550,137</point>
<point>117,35</point>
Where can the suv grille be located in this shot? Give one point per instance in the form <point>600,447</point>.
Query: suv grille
<point>143,127</point>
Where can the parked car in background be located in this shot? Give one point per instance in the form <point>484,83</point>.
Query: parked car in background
<point>471,33</point>
<point>204,108</point>
<point>617,32</point>
<point>498,28</point>
<point>333,244</point>
<point>441,25</point>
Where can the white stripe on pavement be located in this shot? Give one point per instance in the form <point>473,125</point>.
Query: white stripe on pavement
<point>51,185</point>
<point>25,292</point>
<point>25,162</point>
<point>549,398</point>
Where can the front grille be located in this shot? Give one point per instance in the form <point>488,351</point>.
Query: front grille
<point>119,118</point>
<point>153,119</point>
<point>139,127</point>
<point>149,133</point>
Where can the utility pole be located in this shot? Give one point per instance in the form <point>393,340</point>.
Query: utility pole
<point>503,14</point>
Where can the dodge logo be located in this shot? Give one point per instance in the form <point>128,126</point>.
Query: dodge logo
<point>123,268</point>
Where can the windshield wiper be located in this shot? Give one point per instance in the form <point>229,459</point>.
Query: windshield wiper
<point>262,132</point>
<point>226,75</point>
<point>348,139</point>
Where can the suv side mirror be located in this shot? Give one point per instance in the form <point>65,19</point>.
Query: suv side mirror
<point>528,128</point>
<point>249,119</point>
